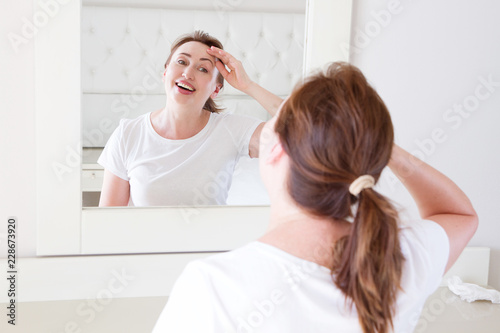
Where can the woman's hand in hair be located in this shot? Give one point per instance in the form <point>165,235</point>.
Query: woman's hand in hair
<point>239,79</point>
<point>236,76</point>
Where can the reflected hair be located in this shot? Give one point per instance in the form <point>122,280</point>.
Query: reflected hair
<point>204,38</point>
<point>335,128</point>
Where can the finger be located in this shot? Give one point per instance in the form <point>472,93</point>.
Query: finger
<point>216,52</point>
<point>219,63</point>
<point>213,54</point>
<point>222,69</point>
<point>219,55</point>
<point>227,59</point>
<point>223,55</point>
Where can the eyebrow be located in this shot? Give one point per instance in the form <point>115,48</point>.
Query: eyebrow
<point>188,55</point>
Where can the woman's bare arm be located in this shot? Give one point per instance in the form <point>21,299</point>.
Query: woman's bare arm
<point>438,199</point>
<point>115,191</point>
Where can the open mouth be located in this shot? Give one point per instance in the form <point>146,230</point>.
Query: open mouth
<point>184,86</point>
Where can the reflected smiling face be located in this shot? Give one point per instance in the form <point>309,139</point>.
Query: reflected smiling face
<point>190,77</point>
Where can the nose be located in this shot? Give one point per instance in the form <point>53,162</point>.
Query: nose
<point>188,73</point>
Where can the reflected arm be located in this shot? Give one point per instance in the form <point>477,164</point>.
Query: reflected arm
<point>115,191</point>
<point>268,100</point>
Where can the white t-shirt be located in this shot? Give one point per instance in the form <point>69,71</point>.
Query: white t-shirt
<point>193,171</point>
<point>260,288</point>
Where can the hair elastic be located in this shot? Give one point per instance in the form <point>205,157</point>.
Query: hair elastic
<point>362,182</point>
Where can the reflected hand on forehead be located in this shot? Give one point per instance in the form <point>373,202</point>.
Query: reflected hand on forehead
<point>236,76</point>
<point>223,59</point>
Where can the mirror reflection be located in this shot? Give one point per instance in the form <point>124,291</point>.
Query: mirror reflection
<point>163,145</point>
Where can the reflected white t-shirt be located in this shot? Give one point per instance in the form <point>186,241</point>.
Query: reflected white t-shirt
<point>260,288</point>
<point>193,171</point>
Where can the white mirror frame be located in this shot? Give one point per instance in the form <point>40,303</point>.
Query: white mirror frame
<point>63,228</point>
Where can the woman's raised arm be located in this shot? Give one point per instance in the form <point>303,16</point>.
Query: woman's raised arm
<point>438,199</point>
<point>238,78</point>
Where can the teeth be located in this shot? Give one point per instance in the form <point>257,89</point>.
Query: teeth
<point>185,86</point>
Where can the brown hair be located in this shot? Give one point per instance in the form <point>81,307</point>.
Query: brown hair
<point>204,38</point>
<point>335,128</point>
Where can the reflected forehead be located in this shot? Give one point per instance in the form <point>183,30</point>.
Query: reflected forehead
<point>195,50</point>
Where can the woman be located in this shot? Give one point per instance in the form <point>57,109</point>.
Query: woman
<point>185,153</point>
<point>335,257</point>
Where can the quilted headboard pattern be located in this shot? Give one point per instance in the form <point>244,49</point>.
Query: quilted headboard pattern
<point>120,46</point>
<point>124,51</point>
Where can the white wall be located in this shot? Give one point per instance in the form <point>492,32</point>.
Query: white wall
<point>426,58</point>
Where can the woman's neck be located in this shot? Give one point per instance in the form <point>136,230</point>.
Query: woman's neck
<point>178,123</point>
<point>302,235</point>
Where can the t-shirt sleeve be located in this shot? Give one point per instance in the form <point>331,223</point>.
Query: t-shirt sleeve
<point>188,307</point>
<point>427,250</point>
<point>113,156</point>
<point>241,129</point>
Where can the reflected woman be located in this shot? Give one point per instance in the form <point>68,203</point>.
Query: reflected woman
<point>335,256</point>
<point>185,153</point>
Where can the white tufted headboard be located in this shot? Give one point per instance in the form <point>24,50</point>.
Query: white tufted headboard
<point>124,50</point>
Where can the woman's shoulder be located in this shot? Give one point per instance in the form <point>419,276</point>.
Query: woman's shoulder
<point>227,116</point>
<point>256,256</point>
<point>127,122</point>
<point>425,246</point>
<point>420,238</point>
<point>128,125</point>
<point>227,263</point>
<point>422,231</point>
<point>235,122</point>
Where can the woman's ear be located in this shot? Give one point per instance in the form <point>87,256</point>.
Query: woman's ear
<point>218,87</point>
<point>276,153</point>
<point>164,73</point>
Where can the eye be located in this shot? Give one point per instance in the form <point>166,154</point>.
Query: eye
<point>202,69</point>
<point>181,62</point>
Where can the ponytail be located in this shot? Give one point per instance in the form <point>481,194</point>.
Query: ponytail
<point>333,127</point>
<point>368,262</point>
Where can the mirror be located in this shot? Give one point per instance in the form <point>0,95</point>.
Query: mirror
<point>63,227</point>
<point>122,65</point>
